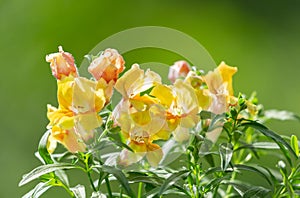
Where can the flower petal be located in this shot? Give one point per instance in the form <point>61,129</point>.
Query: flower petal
<point>154,154</point>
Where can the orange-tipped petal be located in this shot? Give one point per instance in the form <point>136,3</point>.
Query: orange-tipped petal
<point>107,66</point>
<point>179,69</point>
<point>62,64</point>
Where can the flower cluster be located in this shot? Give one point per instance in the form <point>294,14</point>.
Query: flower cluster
<point>80,99</point>
<point>148,111</point>
<point>196,136</point>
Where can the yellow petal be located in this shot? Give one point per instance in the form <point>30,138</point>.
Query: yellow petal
<point>86,98</point>
<point>138,147</point>
<point>51,144</point>
<point>65,92</point>
<point>86,123</point>
<point>141,117</point>
<point>227,72</point>
<point>127,157</point>
<point>181,134</point>
<point>186,97</point>
<point>163,93</point>
<point>135,81</point>
<point>154,154</point>
<point>61,117</point>
<point>69,139</point>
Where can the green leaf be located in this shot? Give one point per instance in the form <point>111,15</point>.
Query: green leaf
<point>171,180</point>
<point>226,151</point>
<point>268,133</point>
<point>117,139</point>
<point>204,115</point>
<point>38,190</point>
<point>281,115</point>
<point>213,184</point>
<point>253,169</point>
<point>294,144</point>
<point>117,173</point>
<point>61,174</point>
<point>42,148</point>
<point>79,191</point>
<point>217,120</point>
<point>256,191</point>
<point>259,145</point>
<point>212,170</point>
<point>238,186</point>
<point>44,169</point>
<point>151,193</point>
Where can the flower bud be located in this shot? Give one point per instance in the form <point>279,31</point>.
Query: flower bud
<point>62,64</point>
<point>107,66</point>
<point>179,69</point>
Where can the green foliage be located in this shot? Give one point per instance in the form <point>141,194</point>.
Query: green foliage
<point>209,169</point>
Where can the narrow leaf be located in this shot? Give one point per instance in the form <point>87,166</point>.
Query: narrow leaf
<point>294,144</point>
<point>204,115</point>
<point>120,177</point>
<point>226,151</point>
<point>238,187</point>
<point>253,169</point>
<point>42,148</point>
<point>264,130</point>
<point>79,191</point>
<point>38,190</point>
<point>171,180</point>
<point>281,115</point>
<point>256,191</point>
<point>44,169</point>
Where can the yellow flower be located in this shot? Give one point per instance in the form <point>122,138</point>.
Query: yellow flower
<point>79,101</point>
<point>135,81</point>
<point>140,117</point>
<point>62,64</point>
<point>219,83</point>
<point>197,82</point>
<point>182,107</point>
<point>62,130</point>
<point>107,66</point>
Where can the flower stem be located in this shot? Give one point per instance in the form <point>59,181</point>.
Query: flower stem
<point>91,181</point>
<point>106,128</point>
<point>140,190</point>
<point>108,186</point>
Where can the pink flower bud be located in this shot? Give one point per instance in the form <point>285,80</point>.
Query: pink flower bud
<point>179,69</point>
<point>62,64</point>
<point>107,66</point>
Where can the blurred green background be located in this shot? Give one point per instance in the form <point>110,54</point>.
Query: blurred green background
<point>261,38</point>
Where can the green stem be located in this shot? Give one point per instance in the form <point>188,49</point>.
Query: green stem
<point>88,171</point>
<point>68,190</point>
<point>58,182</point>
<point>140,190</point>
<point>106,130</point>
<point>229,188</point>
<point>108,186</point>
<point>91,181</point>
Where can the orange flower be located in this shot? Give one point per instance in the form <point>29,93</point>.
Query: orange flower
<point>179,69</point>
<point>107,66</point>
<point>62,64</point>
